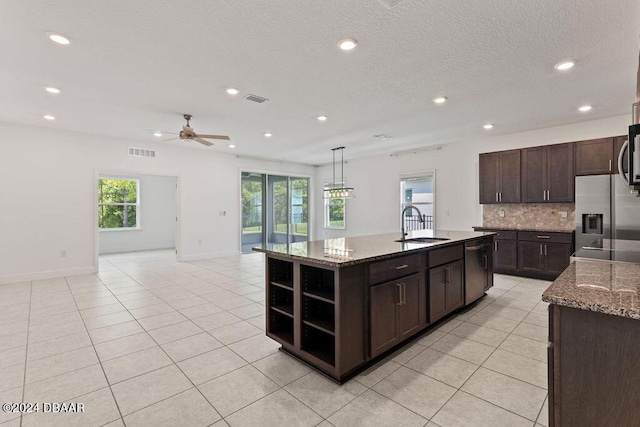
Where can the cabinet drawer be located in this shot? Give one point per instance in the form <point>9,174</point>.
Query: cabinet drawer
<point>503,234</point>
<point>539,236</point>
<point>390,269</point>
<point>441,256</point>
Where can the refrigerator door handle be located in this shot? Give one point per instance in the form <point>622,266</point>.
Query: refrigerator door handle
<point>624,176</point>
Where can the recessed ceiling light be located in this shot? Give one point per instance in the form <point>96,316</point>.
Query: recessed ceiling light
<point>584,108</point>
<point>232,146</point>
<point>347,44</point>
<point>53,90</point>
<point>158,134</point>
<point>49,117</point>
<point>440,100</point>
<point>232,91</point>
<point>564,65</point>
<point>59,38</point>
<point>488,126</point>
<point>322,118</point>
<point>268,135</point>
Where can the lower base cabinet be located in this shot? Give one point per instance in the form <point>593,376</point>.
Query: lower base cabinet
<point>395,312</point>
<point>446,289</point>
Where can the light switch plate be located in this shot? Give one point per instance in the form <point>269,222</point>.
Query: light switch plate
<point>501,213</point>
<point>563,214</point>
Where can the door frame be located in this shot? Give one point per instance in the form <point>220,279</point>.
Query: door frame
<point>96,234</point>
<point>310,193</point>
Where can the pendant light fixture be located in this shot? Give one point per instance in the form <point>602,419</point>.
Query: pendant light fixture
<point>338,191</point>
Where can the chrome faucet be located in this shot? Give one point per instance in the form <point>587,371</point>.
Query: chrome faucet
<point>404,233</point>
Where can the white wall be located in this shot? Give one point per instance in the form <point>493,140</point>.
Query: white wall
<point>157,217</point>
<point>48,198</point>
<point>376,208</point>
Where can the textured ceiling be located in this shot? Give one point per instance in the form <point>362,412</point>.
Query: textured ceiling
<point>140,64</point>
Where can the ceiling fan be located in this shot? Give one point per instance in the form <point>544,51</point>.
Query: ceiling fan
<point>188,133</point>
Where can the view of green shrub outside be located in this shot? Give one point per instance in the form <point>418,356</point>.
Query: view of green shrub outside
<point>117,203</point>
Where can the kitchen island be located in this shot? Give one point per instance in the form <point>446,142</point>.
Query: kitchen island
<point>594,344</point>
<point>339,304</point>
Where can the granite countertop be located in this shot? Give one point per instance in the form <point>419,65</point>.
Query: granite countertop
<point>540,230</point>
<point>604,287</point>
<point>346,251</point>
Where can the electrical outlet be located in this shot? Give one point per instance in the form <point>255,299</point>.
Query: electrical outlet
<point>501,213</point>
<point>563,214</point>
<point>199,241</point>
<point>223,213</point>
<point>63,253</point>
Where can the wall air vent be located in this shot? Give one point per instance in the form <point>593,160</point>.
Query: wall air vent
<point>255,98</point>
<point>390,3</point>
<point>139,152</point>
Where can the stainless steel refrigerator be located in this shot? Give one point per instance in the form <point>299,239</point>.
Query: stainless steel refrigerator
<point>606,208</point>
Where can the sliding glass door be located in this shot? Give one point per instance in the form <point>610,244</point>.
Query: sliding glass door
<point>275,209</point>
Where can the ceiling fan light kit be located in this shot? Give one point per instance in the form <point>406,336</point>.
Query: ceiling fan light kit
<point>336,191</point>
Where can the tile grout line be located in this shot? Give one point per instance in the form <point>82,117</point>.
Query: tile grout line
<point>26,349</point>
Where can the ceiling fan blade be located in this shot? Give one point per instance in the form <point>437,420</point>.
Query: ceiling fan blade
<point>203,142</point>
<point>171,139</point>
<point>225,137</point>
<point>188,130</point>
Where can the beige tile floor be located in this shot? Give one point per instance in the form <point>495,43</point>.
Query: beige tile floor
<point>151,342</point>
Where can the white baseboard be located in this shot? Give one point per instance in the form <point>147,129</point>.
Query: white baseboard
<point>206,255</point>
<point>27,277</point>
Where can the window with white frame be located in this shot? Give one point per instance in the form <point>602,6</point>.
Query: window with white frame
<point>335,209</point>
<point>118,204</point>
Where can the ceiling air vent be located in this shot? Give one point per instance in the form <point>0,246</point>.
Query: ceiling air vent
<point>390,3</point>
<point>139,152</point>
<point>255,98</point>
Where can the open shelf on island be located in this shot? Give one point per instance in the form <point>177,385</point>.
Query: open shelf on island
<point>281,298</point>
<point>319,344</point>
<point>281,326</point>
<point>319,313</point>
<point>318,281</point>
<point>281,272</point>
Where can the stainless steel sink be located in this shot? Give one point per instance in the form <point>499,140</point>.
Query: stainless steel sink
<point>423,240</point>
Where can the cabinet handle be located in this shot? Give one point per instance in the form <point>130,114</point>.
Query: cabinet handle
<point>446,275</point>
<point>495,245</point>
<point>548,195</point>
<point>544,195</point>
<point>399,285</point>
<point>400,267</point>
<point>545,250</point>
<point>404,294</point>
<point>497,197</point>
<point>485,262</point>
<point>500,193</point>
<point>543,237</point>
<point>541,249</point>
<point>610,165</point>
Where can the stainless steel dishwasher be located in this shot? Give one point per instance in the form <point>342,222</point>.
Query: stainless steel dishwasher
<point>478,274</point>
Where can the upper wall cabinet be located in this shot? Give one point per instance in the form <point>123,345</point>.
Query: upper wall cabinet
<point>598,156</point>
<point>500,177</point>
<point>548,174</point>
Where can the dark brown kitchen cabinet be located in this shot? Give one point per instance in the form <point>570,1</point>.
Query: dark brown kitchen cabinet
<point>504,256</point>
<point>594,157</point>
<point>499,174</point>
<point>446,289</point>
<point>548,174</point>
<point>544,255</point>
<point>396,312</point>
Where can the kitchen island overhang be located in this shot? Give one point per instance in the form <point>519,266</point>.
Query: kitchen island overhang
<point>341,304</point>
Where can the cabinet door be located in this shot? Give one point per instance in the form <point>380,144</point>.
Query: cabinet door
<point>504,255</point>
<point>594,157</point>
<point>384,300</point>
<point>617,146</point>
<point>560,173</point>
<point>488,177</point>
<point>530,257</point>
<point>454,295</point>
<point>556,257</point>
<point>409,312</point>
<point>533,175</point>
<point>437,293</point>
<point>509,179</point>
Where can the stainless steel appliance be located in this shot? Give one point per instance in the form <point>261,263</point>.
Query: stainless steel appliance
<point>477,269</point>
<point>605,209</point>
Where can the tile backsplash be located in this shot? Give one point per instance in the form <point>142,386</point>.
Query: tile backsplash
<point>543,216</point>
